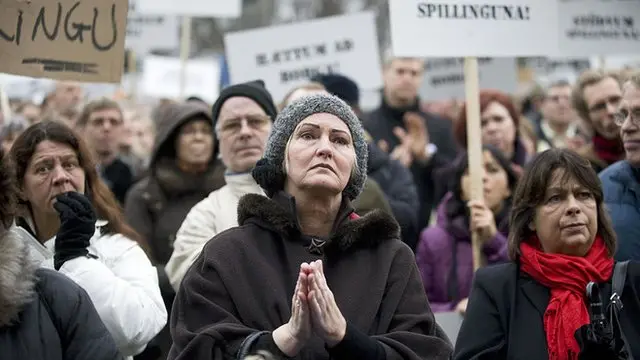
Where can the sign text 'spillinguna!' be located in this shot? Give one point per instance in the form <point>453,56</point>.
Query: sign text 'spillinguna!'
<point>473,11</point>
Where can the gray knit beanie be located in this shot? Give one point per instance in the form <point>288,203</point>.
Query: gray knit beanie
<point>269,172</point>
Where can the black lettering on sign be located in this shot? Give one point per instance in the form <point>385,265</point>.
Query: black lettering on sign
<point>53,22</point>
<point>307,72</point>
<point>473,11</point>
<point>293,54</point>
<point>344,45</point>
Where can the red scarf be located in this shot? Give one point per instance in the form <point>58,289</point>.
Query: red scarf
<point>567,278</point>
<point>608,150</point>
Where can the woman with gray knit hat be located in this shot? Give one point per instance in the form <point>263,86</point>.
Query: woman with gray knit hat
<point>303,276</point>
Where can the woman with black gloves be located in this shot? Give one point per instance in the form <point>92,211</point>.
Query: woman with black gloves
<point>43,314</point>
<point>93,246</point>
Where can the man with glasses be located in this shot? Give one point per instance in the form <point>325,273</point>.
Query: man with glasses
<point>558,127</point>
<point>596,97</point>
<point>242,118</point>
<point>621,181</point>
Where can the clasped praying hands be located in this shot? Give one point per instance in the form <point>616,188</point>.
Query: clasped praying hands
<point>313,312</point>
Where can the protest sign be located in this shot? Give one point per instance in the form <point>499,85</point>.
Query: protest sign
<point>599,27</point>
<point>547,70</point>
<point>286,56</point>
<point>63,39</point>
<point>161,78</point>
<point>459,28</point>
<point>193,8</point>
<point>146,32</point>
<point>444,77</point>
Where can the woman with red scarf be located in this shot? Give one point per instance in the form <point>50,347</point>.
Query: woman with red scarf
<point>561,239</point>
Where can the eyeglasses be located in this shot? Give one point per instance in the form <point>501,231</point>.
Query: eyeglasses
<point>234,126</point>
<point>621,116</point>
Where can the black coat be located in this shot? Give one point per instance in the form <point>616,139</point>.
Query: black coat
<point>380,124</point>
<point>44,315</point>
<point>504,318</point>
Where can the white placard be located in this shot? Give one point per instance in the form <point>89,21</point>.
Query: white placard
<point>599,27</point>
<point>146,32</point>
<point>194,8</point>
<point>458,28</point>
<point>161,78</point>
<point>444,77</point>
<point>552,69</point>
<point>288,55</point>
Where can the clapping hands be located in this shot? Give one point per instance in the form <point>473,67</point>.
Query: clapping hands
<point>313,312</point>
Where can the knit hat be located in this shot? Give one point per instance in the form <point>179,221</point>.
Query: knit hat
<point>255,90</point>
<point>269,172</point>
<point>340,86</point>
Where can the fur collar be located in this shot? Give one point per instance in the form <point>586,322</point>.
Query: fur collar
<point>364,232</point>
<point>17,277</point>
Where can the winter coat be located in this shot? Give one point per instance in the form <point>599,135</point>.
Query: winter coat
<point>436,260</point>
<point>380,124</point>
<point>121,282</point>
<point>397,184</point>
<point>243,281</point>
<point>211,216</point>
<point>622,198</point>
<point>43,314</point>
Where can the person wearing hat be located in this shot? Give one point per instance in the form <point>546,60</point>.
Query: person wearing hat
<point>182,171</point>
<point>242,117</point>
<point>394,179</point>
<point>303,276</point>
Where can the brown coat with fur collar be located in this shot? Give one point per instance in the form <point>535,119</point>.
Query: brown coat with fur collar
<point>244,280</point>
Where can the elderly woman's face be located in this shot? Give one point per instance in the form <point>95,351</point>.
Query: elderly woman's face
<point>320,155</point>
<point>53,169</point>
<point>567,220</point>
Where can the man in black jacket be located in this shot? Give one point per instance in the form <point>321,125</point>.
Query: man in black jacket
<point>422,142</point>
<point>394,179</point>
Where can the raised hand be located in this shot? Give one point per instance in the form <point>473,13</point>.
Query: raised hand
<point>326,318</point>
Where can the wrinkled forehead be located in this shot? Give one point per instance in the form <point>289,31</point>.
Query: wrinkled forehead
<point>324,121</point>
<point>563,179</point>
<point>240,106</point>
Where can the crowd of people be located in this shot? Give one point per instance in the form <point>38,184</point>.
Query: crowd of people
<point>311,229</point>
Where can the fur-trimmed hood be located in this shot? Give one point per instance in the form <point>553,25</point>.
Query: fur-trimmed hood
<point>17,277</point>
<point>350,231</point>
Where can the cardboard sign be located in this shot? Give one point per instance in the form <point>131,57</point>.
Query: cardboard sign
<point>444,78</point>
<point>599,27</point>
<point>146,32</point>
<point>458,28</point>
<point>288,55</point>
<point>63,39</point>
<point>161,78</point>
<point>194,8</point>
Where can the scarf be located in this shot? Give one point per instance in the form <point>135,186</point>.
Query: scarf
<point>608,150</point>
<point>567,278</point>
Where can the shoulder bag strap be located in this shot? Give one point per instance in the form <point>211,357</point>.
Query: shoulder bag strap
<point>618,281</point>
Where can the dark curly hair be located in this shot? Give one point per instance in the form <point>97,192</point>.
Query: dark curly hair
<point>7,192</point>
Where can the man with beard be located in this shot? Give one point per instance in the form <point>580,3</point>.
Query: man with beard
<point>102,124</point>
<point>66,101</point>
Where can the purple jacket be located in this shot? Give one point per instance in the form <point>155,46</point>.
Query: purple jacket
<point>435,253</point>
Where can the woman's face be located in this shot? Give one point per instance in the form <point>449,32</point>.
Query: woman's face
<point>495,183</point>
<point>320,155</point>
<point>498,128</point>
<point>194,145</point>
<point>53,169</point>
<point>567,220</point>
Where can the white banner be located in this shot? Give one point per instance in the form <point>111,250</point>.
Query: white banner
<point>444,78</point>
<point>599,27</point>
<point>194,8</point>
<point>287,55</point>
<point>146,32</point>
<point>161,78</point>
<point>458,28</point>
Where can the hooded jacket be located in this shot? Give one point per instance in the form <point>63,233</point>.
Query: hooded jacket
<point>242,284</point>
<point>45,315</point>
<point>445,249</point>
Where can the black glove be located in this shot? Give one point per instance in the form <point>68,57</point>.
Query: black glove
<point>77,226</point>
